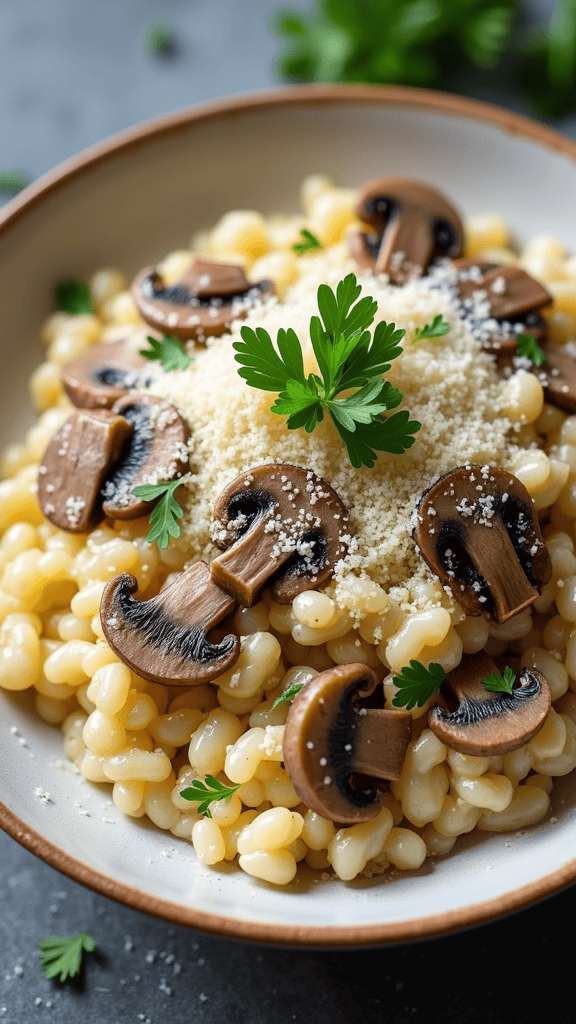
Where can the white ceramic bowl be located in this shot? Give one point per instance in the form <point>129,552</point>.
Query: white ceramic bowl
<point>126,203</point>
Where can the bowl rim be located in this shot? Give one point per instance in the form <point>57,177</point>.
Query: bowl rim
<point>25,202</point>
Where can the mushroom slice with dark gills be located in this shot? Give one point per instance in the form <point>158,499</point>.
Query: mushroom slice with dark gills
<point>75,464</point>
<point>155,452</point>
<point>103,374</point>
<point>165,639</point>
<point>484,723</point>
<point>202,303</point>
<point>337,751</point>
<point>477,529</point>
<point>278,524</point>
<point>412,224</point>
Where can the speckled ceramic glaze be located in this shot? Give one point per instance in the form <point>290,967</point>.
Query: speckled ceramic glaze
<point>125,203</point>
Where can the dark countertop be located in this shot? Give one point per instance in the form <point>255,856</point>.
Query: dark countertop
<point>73,72</point>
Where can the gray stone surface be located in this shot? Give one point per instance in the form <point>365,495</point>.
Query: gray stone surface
<point>71,73</point>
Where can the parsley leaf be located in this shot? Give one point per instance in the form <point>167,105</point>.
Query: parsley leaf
<point>348,358</point>
<point>63,956</point>
<point>496,683</point>
<point>205,793</point>
<point>165,514</point>
<point>416,684</point>
<point>159,40</point>
<point>435,329</point>
<point>288,694</point>
<point>309,243</point>
<point>169,351</point>
<point>528,348</point>
<point>12,182</point>
<point>74,297</point>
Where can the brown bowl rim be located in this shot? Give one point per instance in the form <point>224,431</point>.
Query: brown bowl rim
<point>260,931</point>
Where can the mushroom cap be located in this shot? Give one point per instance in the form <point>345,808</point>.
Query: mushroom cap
<point>157,447</point>
<point>411,222</point>
<point>486,723</point>
<point>477,529</point>
<point>201,303</point>
<point>558,376</point>
<point>319,744</point>
<point>103,373</point>
<point>278,523</point>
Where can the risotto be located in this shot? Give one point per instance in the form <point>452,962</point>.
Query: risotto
<point>151,737</point>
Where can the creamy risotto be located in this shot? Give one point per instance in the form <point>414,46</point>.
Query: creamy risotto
<point>383,606</point>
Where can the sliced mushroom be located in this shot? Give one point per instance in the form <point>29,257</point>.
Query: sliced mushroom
<point>484,723</point>
<point>331,740</point>
<point>75,465</point>
<point>558,376</point>
<point>477,529</point>
<point>164,639</point>
<point>279,524</point>
<point>156,449</point>
<point>412,223</point>
<point>103,374</point>
<point>506,294</point>
<point>203,302</point>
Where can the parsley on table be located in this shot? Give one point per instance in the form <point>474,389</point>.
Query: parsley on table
<point>165,515</point>
<point>437,328</point>
<point>63,956</point>
<point>416,684</point>
<point>528,348</point>
<point>496,683</point>
<point>12,182</point>
<point>288,694</point>
<point>74,297</point>
<point>348,360</point>
<point>308,244</point>
<point>206,792</point>
<point>169,351</point>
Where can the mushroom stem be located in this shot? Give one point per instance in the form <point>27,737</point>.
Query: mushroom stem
<point>380,742</point>
<point>498,563</point>
<point>245,567</point>
<point>409,235</point>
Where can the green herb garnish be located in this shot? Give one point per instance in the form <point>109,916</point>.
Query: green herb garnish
<point>169,351</point>
<point>416,684</point>
<point>348,360</point>
<point>288,694</point>
<point>12,182</point>
<point>528,348</point>
<point>437,328</point>
<point>74,297</point>
<point>165,515</point>
<point>207,792</point>
<point>496,683</point>
<point>63,956</point>
<point>159,40</point>
<point>309,243</point>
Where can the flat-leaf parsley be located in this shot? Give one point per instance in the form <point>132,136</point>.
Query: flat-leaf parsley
<point>348,358</point>
<point>207,792</point>
<point>169,351</point>
<point>74,297</point>
<point>496,683</point>
<point>528,348</point>
<point>63,956</point>
<point>308,244</point>
<point>416,684</point>
<point>165,515</point>
<point>437,328</point>
<point>288,694</point>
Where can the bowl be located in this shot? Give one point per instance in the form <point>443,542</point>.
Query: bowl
<point>125,202</point>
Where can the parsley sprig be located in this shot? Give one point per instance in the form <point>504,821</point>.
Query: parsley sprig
<point>288,694</point>
<point>63,956</point>
<point>437,328</point>
<point>496,683</point>
<point>416,684</point>
<point>349,360</point>
<point>74,297</point>
<point>528,348</point>
<point>308,244</point>
<point>169,351</point>
<point>207,792</point>
<point>167,512</point>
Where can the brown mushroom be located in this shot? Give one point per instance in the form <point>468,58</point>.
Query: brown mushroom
<point>331,741</point>
<point>477,529</point>
<point>156,448</point>
<point>203,302</point>
<point>280,524</point>
<point>506,294</point>
<point>484,723</point>
<point>558,376</point>
<point>164,639</point>
<point>75,465</point>
<point>103,374</point>
<point>412,224</point>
